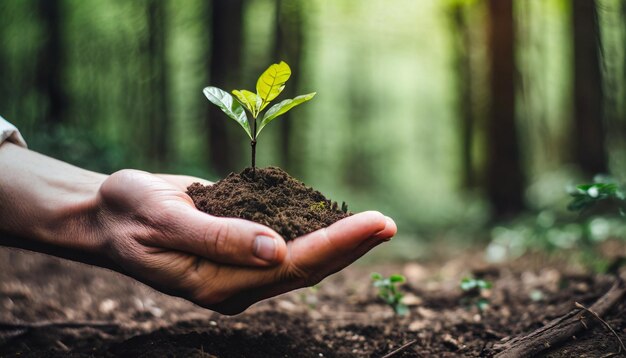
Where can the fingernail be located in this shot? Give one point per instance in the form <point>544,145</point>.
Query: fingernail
<point>389,224</point>
<point>265,248</point>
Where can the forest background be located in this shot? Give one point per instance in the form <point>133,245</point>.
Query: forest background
<point>466,121</point>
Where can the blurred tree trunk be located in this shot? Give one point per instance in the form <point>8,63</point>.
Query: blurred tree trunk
<point>623,21</point>
<point>589,134</point>
<point>505,178</point>
<point>224,71</point>
<point>158,111</point>
<point>5,98</point>
<point>49,71</point>
<point>288,47</point>
<point>463,68</point>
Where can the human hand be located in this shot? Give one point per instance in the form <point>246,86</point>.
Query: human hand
<point>154,233</point>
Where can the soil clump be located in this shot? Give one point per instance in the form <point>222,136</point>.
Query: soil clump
<point>271,197</point>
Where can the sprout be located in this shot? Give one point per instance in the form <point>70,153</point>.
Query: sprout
<point>389,292</point>
<point>474,292</point>
<point>269,85</point>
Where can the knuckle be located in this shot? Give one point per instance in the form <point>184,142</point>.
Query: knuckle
<point>216,238</point>
<point>300,277</point>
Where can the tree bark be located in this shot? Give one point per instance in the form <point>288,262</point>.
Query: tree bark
<point>224,72</point>
<point>589,146</point>
<point>4,71</point>
<point>505,177</point>
<point>158,109</point>
<point>623,21</point>
<point>288,47</point>
<point>49,77</point>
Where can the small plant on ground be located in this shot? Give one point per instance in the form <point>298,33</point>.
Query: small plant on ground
<point>269,85</point>
<point>474,292</point>
<point>309,296</point>
<point>389,292</point>
<point>605,197</point>
<point>588,195</point>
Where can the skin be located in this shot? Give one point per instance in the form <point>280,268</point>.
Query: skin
<point>144,226</point>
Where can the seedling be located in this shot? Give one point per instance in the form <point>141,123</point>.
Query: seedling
<point>388,291</point>
<point>474,292</point>
<point>587,195</point>
<point>269,85</point>
<point>309,296</point>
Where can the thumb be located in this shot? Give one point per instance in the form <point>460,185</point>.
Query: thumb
<point>224,240</point>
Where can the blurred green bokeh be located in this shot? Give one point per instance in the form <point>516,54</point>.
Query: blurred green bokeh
<point>384,131</point>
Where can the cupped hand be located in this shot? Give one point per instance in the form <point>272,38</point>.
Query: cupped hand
<point>155,234</point>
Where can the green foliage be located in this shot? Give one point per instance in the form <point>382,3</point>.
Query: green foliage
<point>474,292</point>
<point>575,238</point>
<point>388,291</point>
<point>468,284</point>
<point>83,148</point>
<point>269,85</point>
<point>282,108</point>
<point>229,106</point>
<point>579,238</point>
<point>588,195</point>
<point>344,207</point>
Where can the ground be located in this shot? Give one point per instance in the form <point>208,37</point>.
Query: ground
<point>52,307</point>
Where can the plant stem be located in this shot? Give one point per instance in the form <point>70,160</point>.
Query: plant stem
<point>253,144</point>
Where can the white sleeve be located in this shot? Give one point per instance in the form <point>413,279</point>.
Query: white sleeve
<point>10,133</point>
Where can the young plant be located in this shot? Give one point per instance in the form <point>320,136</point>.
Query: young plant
<point>588,195</point>
<point>474,291</point>
<point>269,85</point>
<point>389,292</point>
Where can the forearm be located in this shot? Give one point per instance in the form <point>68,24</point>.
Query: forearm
<point>47,205</point>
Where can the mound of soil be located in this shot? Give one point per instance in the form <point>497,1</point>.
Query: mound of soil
<point>270,197</point>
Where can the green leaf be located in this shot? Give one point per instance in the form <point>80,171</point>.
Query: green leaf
<point>379,283</point>
<point>580,202</point>
<point>228,105</point>
<point>283,107</point>
<point>468,284</point>
<point>376,276</point>
<point>401,309</point>
<point>397,278</point>
<point>272,82</point>
<point>250,100</point>
<point>482,304</point>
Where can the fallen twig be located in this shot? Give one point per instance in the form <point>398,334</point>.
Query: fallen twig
<point>402,348</point>
<point>561,329</point>
<point>621,347</point>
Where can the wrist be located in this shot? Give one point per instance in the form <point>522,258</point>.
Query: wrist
<point>48,206</point>
<point>74,221</point>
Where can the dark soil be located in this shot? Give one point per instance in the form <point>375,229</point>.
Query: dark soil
<point>54,308</point>
<point>270,197</point>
